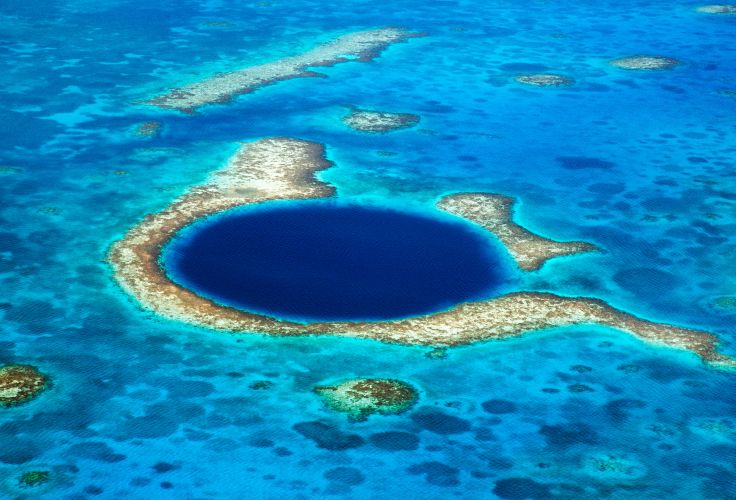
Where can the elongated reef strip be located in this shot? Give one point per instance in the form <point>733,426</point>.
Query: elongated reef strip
<point>494,213</point>
<point>362,46</point>
<point>717,9</point>
<point>648,63</point>
<point>284,168</point>
<point>544,80</point>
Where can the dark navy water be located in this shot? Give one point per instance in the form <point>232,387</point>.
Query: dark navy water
<point>322,261</point>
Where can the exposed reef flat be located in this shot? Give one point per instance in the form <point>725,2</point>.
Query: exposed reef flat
<point>645,62</point>
<point>717,9</point>
<point>20,383</point>
<point>379,121</point>
<point>284,168</point>
<point>494,213</point>
<point>362,397</point>
<point>544,80</point>
<point>362,46</point>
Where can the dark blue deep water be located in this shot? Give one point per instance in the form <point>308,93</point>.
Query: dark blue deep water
<point>322,261</point>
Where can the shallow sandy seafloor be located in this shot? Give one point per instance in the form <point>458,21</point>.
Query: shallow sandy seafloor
<point>284,168</point>
<point>639,163</point>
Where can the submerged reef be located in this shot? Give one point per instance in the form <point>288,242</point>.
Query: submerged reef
<point>379,121</point>
<point>717,9</point>
<point>34,478</point>
<point>544,80</point>
<point>645,62</point>
<point>20,383</point>
<point>362,397</point>
<point>283,169</point>
<point>9,170</point>
<point>148,130</point>
<point>362,46</point>
<point>494,213</point>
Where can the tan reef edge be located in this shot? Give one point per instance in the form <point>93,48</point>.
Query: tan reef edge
<point>283,169</point>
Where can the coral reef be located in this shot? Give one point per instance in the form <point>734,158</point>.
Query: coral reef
<point>20,383</point>
<point>494,213</point>
<point>9,170</point>
<point>544,80</point>
<point>148,130</point>
<point>379,121</point>
<point>362,397</point>
<point>284,168</point>
<point>717,9</point>
<point>613,466</point>
<point>34,478</point>
<point>360,46</point>
<point>645,62</point>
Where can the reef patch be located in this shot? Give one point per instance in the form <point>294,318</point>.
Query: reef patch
<point>645,62</point>
<point>148,129</point>
<point>20,383</point>
<point>360,398</point>
<point>494,213</point>
<point>717,9</point>
<point>284,168</point>
<point>379,121</point>
<point>361,46</point>
<point>544,80</point>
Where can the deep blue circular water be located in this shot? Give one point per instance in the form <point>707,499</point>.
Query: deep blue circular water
<point>323,261</point>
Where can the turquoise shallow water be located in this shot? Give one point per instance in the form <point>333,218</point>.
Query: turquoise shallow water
<point>144,407</point>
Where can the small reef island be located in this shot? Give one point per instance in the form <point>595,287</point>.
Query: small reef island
<point>273,169</point>
<point>361,46</point>
<point>360,398</point>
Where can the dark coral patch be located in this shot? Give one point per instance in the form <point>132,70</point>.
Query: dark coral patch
<point>394,441</point>
<point>439,422</point>
<point>327,436</point>
<point>346,475</point>
<point>645,278</point>
<point>96,450</point>
<point>564,436</point>
<point>521,488</point>
<point>618,409</point>
<point>436,473</point>
<point>498,406</point>
<point>583,162</point>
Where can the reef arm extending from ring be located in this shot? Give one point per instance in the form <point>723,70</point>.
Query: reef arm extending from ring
<point>494,212</point>
<point>284,168</point>
<point>362,46</point>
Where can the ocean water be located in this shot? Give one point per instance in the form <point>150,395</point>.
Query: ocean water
<point>639,163</point>
<point>323,261</point>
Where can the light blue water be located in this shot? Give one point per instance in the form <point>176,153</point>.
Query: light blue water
<point>143,407</point>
